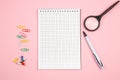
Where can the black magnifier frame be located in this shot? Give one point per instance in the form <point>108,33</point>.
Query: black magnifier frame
<point>98,18</point>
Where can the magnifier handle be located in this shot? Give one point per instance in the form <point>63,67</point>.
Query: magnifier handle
<point>107,10</point>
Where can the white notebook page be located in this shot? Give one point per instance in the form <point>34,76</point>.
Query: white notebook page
<point>59,39</point>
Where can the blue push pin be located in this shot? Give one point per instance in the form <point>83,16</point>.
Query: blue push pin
<point>22,58</point>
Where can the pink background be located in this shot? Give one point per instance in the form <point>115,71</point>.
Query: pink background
<point>24,12</point>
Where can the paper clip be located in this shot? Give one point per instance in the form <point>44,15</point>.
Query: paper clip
<point>24,41</point>
<point>20,27</point>
<point>23,34</point>
<point>26,30</point>
<point>20,36</point>
<point>24,49</point>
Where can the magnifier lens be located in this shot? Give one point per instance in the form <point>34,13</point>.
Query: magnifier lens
<point>92,23</point>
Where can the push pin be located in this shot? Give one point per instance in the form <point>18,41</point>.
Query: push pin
<point>16,60</point>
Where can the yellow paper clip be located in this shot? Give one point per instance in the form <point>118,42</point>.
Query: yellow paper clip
<point>24,41</point>
<point>20,27</point>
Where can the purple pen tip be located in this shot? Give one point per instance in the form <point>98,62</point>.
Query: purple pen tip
<point>84,34</point>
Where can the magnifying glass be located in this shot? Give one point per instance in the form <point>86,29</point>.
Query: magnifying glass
<point>92,23</point>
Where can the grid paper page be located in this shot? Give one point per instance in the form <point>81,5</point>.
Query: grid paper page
<point>59,39</point>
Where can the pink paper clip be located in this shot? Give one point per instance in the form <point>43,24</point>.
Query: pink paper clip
<point>23,34</point>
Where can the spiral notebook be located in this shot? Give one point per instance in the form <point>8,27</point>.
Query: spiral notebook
<point>59,39</point>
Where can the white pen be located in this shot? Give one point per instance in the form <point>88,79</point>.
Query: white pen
<point>93,51</point>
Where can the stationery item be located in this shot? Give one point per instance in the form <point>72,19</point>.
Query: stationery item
<point>59,39</point>
<point>20,27</point>
<point>26,30</point>
<point>22,63</point>
<point>93,51</point>
<point>24,41</point>
<point>16,60</point>
<point>19,61</point>
<point>20,36</point>
<point>92,23</point>
<point>24,49</point>
<point>23,34</point>
<point>22,58</point>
